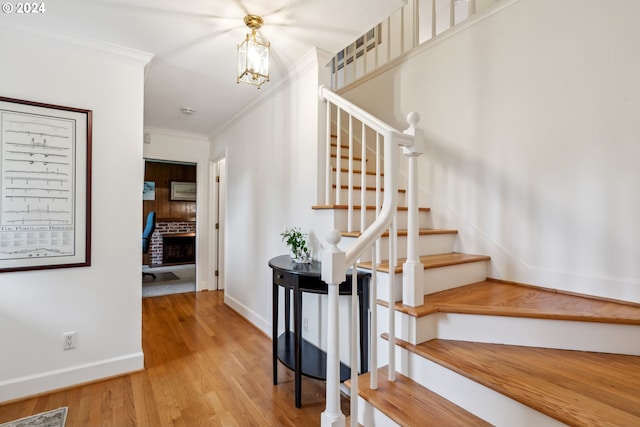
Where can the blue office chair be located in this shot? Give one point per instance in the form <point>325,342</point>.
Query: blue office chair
<point>149,227</point>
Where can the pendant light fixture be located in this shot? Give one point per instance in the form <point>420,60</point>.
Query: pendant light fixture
<point>253,55</point>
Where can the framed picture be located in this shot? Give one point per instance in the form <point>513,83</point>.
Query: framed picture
<point>45,186</point>
<point>185,191</point>
<point>149,190</point>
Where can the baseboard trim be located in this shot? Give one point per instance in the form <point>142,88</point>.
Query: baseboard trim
<point>251,316</point>
<point>50,381</point>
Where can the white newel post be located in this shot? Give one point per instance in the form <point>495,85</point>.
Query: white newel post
<point>413,269</point>
<point>333,273</point>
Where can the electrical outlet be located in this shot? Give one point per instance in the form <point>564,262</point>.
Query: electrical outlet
<point>305,324</point>
<point>69,340</point>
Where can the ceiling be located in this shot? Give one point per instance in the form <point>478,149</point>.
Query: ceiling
<point>194,43</point>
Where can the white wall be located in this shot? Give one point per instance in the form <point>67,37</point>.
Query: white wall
<point>531,118</point>
<point>185,147</point>
<point>271,167</point>
<point>100,302</point>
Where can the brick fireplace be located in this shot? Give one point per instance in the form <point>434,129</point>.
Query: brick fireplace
<point>165,229</point>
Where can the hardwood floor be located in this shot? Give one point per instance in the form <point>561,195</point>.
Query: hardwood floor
<point>205,366</point>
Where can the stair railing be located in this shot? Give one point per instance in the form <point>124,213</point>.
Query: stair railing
<point>335,262</point>
<point>415,23</point>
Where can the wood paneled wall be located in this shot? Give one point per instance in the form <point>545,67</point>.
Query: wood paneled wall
<point>166,209</point>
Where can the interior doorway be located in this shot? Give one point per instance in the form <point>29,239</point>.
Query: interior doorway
<point>218,212</point>
<point>169,264</point>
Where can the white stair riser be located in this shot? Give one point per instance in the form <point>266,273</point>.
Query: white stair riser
<point>437,279</point>
<point>453,276</point>
<point>344,164</point>
<point>522,331</point>
<point>369,416</point>
<point>357,150</point>
<point>369,196</point>
<point>481,401</point>
<point>429,244</point>
<point>370,180</point>
<point>341,223</point>
<point>532,332</point>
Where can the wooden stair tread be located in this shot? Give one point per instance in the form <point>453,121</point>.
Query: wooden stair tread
<point>499,298</point>
<point>403,232</point>
<point>358,207</point>
<point>409,404</point>
<point>368,188</point>
<point>574,387</point>
<point>431,261</point>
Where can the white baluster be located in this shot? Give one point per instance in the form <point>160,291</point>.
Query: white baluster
<point>373,319</point>
<point>415,22</point>
<point>353,64</point>
<point>392,312</point>
<point>363,179</point>
<point>388,39</point>
<point>333,273</point>
<point>375,46</point>
<point>472,8</point>
<point>350,178</point>
<point>452,13</point>
<point>327,195</point>
<point>338,198</point>
<point>402,31</point>
<point>433,18</point>
<point>354,346</point>
<point>378,175</point>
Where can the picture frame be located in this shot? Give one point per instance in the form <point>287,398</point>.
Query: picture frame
<point>45,186</point>
<point>149,190</point>
<point>183,191</point>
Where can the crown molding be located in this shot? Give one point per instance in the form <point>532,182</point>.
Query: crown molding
<point>175,133</point>
<point>79,43</point>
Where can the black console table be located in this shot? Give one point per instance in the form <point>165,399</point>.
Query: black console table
<point>295,353</point>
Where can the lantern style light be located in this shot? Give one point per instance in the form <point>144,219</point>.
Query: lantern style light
<point>253,55</point>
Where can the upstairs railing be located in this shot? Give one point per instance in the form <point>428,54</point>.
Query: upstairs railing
<point>355,130</point>
<point>416,23</point>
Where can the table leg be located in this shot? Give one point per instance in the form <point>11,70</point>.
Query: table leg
<point>297,318</point>
<point>274,333</point>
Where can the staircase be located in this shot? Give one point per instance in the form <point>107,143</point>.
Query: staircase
<point>468,350</point>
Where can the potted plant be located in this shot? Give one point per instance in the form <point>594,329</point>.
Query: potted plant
<point>296,240</point>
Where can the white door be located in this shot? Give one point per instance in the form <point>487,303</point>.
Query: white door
<point>218,210</point>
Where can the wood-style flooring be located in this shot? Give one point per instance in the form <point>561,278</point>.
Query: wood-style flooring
<point>205,366</point>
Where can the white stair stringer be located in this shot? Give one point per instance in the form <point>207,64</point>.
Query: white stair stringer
<point>521,331</point>
<point>481,401</point>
